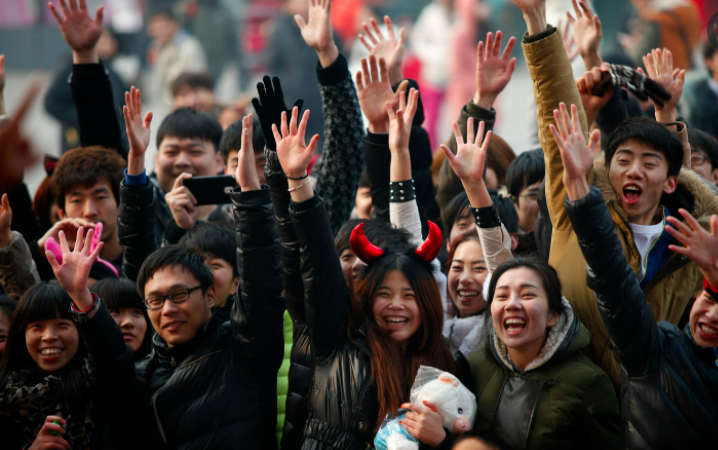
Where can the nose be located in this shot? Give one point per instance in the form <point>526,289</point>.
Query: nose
<point>462,425</point>
<point>90,210</point>
<point>169,308</point>
<point>634,171</point>
<point>49,334</point>
<point>182,159</point>
<point>126,322</point>
<point>514,302</point>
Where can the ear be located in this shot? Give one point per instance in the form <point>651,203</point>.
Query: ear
<point>670,185</point>
<point>61,213</point>
<point>220,162</point>
<point>211,296</point>
<point>514,241</point>
<point>448,246</point>
<point>235,286</point>
<point>714,176</point>
<point>552,319</point>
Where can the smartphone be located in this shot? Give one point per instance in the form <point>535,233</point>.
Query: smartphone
<point>211,190</point>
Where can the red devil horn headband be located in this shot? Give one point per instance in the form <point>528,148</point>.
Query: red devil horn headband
<point>368,252</point>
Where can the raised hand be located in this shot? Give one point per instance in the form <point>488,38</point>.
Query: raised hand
<point>470,158</point>
<point>73,272</point>
<point>388,48</point>
<point>318,32</point>
<point>592,104</point>
<point>659,66</point>
<point>568,40</point>
<point>400,122</point>
<point>493,70</point>
<point>15,151</point>
<point>80,30</point>
<point>293,152</point>
<point>587,32</point>
<point>270,106</point>
<point>698,244</point>
<point>138,131</point>
<point>577,157</point>
<point>182,204</point>
<point>5,222</point>
<point>246,174</point>
<point>375,92</point>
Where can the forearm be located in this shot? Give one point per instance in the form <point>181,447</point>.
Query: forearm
<point>135,163</point>
<point>136,225</point>
<point>89,56</point>
<point>17,269</point>
<point>328,55</point>
<point>576,188</point>
<point>591,60</point>
<point>478,194</point>
<point>535,19</point>
<point>400,167</point>
<point>378,166</point>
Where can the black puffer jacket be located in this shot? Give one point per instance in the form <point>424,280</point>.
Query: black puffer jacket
<point>669,385</point>
<point>135,226</point>
<point>219,391</point>
<point>342,405</point>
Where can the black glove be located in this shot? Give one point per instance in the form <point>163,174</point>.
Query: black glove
<point>637,83</point>
<point>270,106</point>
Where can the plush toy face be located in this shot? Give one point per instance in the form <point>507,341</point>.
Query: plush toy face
<point>456,403</point>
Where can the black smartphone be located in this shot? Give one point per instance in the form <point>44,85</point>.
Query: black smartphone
<point>211,190</point>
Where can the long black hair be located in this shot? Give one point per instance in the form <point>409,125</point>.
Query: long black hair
<point>122,293</point>
<point>44,301</point>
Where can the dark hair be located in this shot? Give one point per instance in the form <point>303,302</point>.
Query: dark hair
<point>44,301</point>
<point>42,203</point>
<point>161,8</point>
<point>8,303</point>
<point>472,234</point>
<point>708,52</point>
<point>122,293</point>
<point>215,239</point>
<point>192,80</point>
<point>528,168</point>
<point>174,255</point>
<point>506,210</point>
<point>499,157</point>
<point>232,138</point>
<point>84,166</point>
<point>393,373</point>
<point>650,133</point>
<point>453,211</point>
<point>705,143</point>
<point>549,279</point>
<point>378,232</point>
<point>186,123</point>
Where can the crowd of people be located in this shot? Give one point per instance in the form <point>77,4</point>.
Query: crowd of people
<point>244,294</point>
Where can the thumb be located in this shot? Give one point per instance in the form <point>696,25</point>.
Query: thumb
<point>148,119</point>
<point>431,405</point>
<point>178,180</point>
<point>449,155</point>
<point>594,142</point>
<point>52,260</point>
<point>300,22</point>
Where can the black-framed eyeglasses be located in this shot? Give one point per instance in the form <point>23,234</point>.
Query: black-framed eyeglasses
<point>177,296</point>
<point>697,159</point>
<point>532,196</point>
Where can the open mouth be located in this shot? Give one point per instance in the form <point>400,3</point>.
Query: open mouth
<point>467,295</point>
<point>514,325</point>
<point>395,321</point>
<point>708,330</point>
<point>49,354</point>
<point>631,193</point>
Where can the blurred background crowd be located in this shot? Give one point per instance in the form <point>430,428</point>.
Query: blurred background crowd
<point>209,54</point>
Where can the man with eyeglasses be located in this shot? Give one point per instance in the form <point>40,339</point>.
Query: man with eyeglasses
<point>211,383</point>
<point>704,155</point>
<point>523,181</point>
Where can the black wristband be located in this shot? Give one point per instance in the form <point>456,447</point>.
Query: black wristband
<point>401,191</point>
<point>486,217</point>
<point>300,178</point>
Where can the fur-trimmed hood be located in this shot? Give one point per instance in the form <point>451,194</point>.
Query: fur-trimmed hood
<point>563,339</point>
<point>693,193</point>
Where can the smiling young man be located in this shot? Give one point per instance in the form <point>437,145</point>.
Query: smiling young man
<point>641,181</point>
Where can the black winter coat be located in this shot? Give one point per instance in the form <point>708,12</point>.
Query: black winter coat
<point>342,405</point>
<point>135,226</point>
<point>219,391</point>
<point>669,391</point>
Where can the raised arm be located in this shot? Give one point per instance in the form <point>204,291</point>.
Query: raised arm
<point>342,156</point>
<point>136,225</point>
<point>90,83</point>
<point>389,48</point>
<point>257,315</point>
<point>17,269</point>
<point>625,312</point>
<point>493,73</point>
<point>587,32</point>
<point>325,300</point>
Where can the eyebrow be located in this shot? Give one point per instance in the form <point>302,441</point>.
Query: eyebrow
<point>476,261</point>
<point>188,145</point>
<point>99,190</point>
<point>525,285</point>
<point>644,155</point>
<point>171,289</point>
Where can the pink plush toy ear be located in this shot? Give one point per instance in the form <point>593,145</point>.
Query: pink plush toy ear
<point>448,379</point>
<point>53,247</point>
<point>95,241</point>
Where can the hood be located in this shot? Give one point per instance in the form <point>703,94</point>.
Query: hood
<point>566,337</point>
<point>693,194</point>
<point>468,334</point>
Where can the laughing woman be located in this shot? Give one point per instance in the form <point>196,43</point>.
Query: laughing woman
<point>534,387</point>
<point>66,367</point>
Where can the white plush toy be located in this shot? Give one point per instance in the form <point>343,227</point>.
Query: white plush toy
<point>456,404</point>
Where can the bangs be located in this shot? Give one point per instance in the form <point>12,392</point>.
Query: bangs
<point>44,301</point>
<point>118,293</point>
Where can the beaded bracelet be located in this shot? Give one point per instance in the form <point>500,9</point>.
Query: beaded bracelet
<point>401,191</point>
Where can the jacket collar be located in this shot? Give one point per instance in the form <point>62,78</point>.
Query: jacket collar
<point>562,340</point>
<point>708,355</point>
<point>180,352</point>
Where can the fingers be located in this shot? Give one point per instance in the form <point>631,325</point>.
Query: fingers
<point>576,126</point>
<point>128,106</point>
<point>96,252</point>
<point>390,112</point>
<point>480,52</point>
<point>681,79</point>
<point>100,15</point>
<point>303,126</point>
<point>293,122</point>
<point>283,124</point>
<point>64,246</point>
<point>691,220</point>
<point>369,33</point>
<point>576,9</point>
<point>373,68</point>
<point>457,133</point>
<point>571,20</point>
<point>311,148</point>
<point>178,180</point>
<point>359,81</point>
<point>509,48</point>
<point>55,13</point>
<point>402,37</point>
<point>5,204</point>
<point>79,240</point>
<point>556,136</point>
<point>497,45</point>
<point>85,250</point>
<point>73,5</point>
<point>389,27</point>
<point>479,134</point>
<point>469,130</point>
<point>374,25</point>
<point>52,260</point>
<point>680,227</point>
<point>449,155</point>
<point>383,70</point>
<point>365,71</point>
<point>366,44</point>
<point>65,8</point>
<point>489,43</point>
<point>277,137</point>
<point>560,124</point>
<point>402,103</point>
<point>594,141</point>
<point>667,61</point>
<point>431,405</point>
<point>300,22</point>
<point>148,119</point>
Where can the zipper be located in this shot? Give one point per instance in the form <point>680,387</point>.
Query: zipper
<point>157,417</point>
<point>196,360</point>
<point>172,361</point>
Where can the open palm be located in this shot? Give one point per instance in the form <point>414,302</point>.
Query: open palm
<point>138,130</point>
<point>79,29</point>
<point>73,272</point>
<point>374,91</point>
<point>246,173</point>
<point>400,122</point>
<point>587,30</point>
<point>576,155</point>
<point>318,32</point>
<point>699,245</point>
<point>470,158</point>
<point>293,153</point>
<point>494,70</point>
<point>389,48</point>
<point>659,66</point>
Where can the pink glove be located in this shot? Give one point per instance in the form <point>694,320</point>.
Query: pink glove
<point>53,246</point>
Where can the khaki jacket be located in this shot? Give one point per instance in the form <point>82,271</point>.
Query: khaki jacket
<point>678,280</point>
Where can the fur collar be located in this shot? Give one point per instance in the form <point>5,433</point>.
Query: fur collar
<point>693,193</point>
<point>556,336</point>
<point>468,334</point>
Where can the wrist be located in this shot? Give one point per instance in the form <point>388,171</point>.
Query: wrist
<point>379,127</point>
<point>255,186</point>
<point>135,163</point>
<point>395,75</point>
<point>666,116</point>
<point>591,59</point>
<point>5,238</point>
<point>485,101</point>
<point>83,300</point>
<point>85,56</point>
<point>576,188</point>
<point>327,56</point>
<point>535,19</point>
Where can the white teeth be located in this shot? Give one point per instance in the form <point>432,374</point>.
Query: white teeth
<point>396,319</point>
<point>50,351</point>
<point>709,330</point>
<point>468,293</point>
<point>515,321</point>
